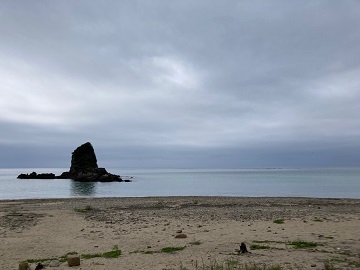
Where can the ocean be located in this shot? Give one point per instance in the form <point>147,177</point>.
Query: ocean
<point>318,183</point>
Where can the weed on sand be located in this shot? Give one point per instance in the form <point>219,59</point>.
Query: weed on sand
<point>303,244</point>
<point>114,253</point>
<point>279,221</point>
<point>171,249</point>
<point>85,209</point>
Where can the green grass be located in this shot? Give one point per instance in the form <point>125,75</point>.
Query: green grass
<point>84,210</point>
<point>303,244</point>
<point>163,250</point>
<point>91,255</point>
<point>114,253</point>
<point>171,249</point>
<point>317,219</point>
<point>279,221</point>
<point>263,241</point>
<point>255,247</point>
<point>150,251</point>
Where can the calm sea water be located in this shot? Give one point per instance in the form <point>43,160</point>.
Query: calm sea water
<point>320,183</point>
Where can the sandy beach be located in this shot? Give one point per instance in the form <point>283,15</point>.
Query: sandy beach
<point>294,233</point>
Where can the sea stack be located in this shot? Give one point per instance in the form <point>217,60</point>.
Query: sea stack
<point>83,159</point>
<point>84,168</point>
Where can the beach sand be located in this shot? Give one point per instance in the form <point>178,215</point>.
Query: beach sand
<point>214,228</point>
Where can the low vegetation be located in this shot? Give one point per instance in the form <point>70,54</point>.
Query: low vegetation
<point>303,244</point>
<point>171,249</point>
<point>114,253</point>
<point>163,250</point>
<point>279,221</point>
<point>85,209</point>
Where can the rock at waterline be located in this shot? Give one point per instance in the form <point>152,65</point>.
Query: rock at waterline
<point>84,168</point>
<point>34,175</point>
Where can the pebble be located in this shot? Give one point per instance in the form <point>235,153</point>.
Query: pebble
<point>54,263</point>
<point>181,236</point>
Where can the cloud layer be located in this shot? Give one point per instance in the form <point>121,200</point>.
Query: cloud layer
<point>181,83</point>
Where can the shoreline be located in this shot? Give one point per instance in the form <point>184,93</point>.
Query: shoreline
<point>214,227</point>
<point>182,197</point>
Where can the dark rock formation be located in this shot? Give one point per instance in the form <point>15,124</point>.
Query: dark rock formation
<point>83,159</point>
<point>34,175</point>
<point>83,168</point>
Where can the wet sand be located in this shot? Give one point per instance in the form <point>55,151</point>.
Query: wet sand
<point>214,227</point>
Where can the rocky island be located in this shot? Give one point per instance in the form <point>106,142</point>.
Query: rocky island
<point>83,168</point>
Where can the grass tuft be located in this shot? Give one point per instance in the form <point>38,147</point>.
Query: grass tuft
<point>40,260</point>
<point>171,249</point>
<point>84,210</point>
<point>303,244</point>
<point>279,221</point>
<point>114,253</point>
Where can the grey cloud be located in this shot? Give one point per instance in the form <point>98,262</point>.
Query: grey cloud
<point>204,76</point>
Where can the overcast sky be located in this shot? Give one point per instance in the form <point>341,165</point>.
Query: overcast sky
<point>218,84</point>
